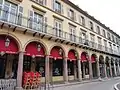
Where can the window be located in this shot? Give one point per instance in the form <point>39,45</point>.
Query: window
<point>113,39</point>
<point>72,32</point>
<point>35,21</point>
<point>71,14</point>
<point>98,30</point>
<point>91,25</point>
<point>105,45</point>
<point>116,40</point>
<point>92,37</point>
<point>9,12</point>
<point>104,34</point>
<point>108,34</point>
<point>57,7</point>
<point>82,20</point>
<point>110,45</point>
<point>58,27</point>
<point>41,2</point>
<point>99,43</point>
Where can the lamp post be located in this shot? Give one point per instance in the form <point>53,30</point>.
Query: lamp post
<point>7,42</point>
<point>38,47</point>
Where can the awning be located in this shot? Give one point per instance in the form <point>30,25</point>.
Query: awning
<point>71,55</point>
<point>31,49</point>
<point>12,48</point>
<point>84,57</point>
<point>55,53</point>
<point>93,59</point>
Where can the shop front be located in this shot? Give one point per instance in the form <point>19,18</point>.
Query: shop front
<point>72,65</point>
<point>85,65</point>
<point>94,65</point>
<point>56,64</point>
<point>8,61</point>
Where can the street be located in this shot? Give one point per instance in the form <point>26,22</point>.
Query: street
<point>103,85</point>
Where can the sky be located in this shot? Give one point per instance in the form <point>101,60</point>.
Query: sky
<point>106,11</point>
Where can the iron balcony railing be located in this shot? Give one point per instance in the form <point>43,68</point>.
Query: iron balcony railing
<point>42,27</point>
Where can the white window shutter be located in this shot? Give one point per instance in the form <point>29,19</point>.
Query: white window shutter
<point>62,9</point>
<point>30,20</point>
<point>68,12</point>
<point>75,18</point>
<point>53,4</point>
<point>20,15</point>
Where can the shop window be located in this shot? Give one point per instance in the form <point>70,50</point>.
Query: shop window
<point>40,66</point>
<point>70,68</point>
<point>27,64</point>
<point>57,67</point>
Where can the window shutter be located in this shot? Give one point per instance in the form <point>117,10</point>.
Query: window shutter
<point>62,9</point>
<point>68,12</point>
<point>45,24</point>
<point>20,15</point>
<point>45,2</point>
<point>75,16</point>
<point>53,4</point>
<point>30,20</point>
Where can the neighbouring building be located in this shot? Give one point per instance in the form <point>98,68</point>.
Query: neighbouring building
<point>57,39</point>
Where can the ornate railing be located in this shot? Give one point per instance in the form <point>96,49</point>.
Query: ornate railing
<point>44,29</point>
<point>7,84</point>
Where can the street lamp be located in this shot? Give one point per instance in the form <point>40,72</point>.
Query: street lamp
<point>7,42</point>
<point>60,51</point>
<point>38,47</point>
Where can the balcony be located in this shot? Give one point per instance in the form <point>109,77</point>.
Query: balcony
<point>18,22</point>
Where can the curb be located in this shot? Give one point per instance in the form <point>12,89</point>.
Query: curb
<point>96,80</point>
<point>115,86</point>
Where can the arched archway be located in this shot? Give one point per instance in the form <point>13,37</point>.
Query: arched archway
<point>94,65</point>
<point>112,66</point>
<point>101,66</point>
<point>9,48</point>
<point>85,65</point>
<point>34,58</point>
<point>107,62</point>
<point>72,64</point>
<point>57,55</point>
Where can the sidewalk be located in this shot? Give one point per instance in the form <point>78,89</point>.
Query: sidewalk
<point>83,82</point>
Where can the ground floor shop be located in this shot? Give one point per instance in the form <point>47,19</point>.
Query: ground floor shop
<point>56,64</point>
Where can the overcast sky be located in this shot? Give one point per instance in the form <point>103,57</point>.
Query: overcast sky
<point>107,11</point>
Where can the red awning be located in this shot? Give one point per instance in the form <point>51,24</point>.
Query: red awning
<point>55,53</point>
<point>31,49</point>
<point>93,59</point>
<point>83,57</point>
<point>12,48</point>
<point>71,55</point>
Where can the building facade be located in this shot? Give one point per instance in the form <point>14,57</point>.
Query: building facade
<point>57,39</point>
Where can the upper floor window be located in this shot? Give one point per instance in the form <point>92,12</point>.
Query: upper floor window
<point>71,14</point>
<point>41,2</point>
<point>99,40</point>
<point>57,7</point>
<point>98,30</point>
<point>108,35</point>
<point>104,34</point>
<point>82,20</point>
<point>105,43</point>
<point>92,37</point>
<point>91,25</point>
<point>72,32</point>
<point>58,27</point>
<point>113,39</point>
<point>35,21</point>
<point>116,40</point>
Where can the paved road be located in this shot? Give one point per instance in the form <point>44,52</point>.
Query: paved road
<point>104,85</point>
